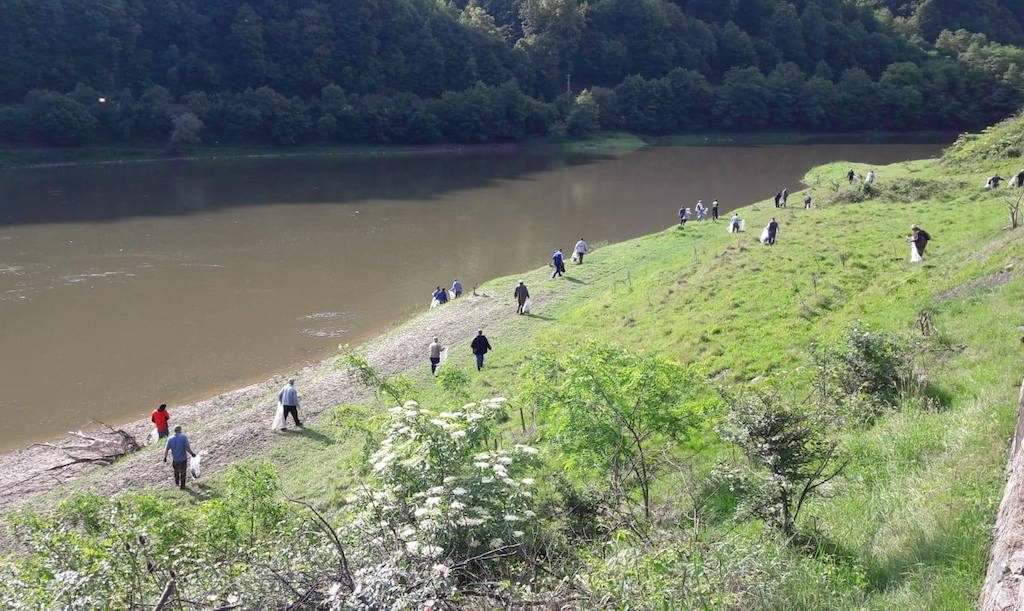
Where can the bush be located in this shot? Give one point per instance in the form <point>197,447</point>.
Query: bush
<point>789,457</point>
<point>869,372</point>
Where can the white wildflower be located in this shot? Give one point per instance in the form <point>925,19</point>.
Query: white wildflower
<point>460,491</point>
<point>412,546</point>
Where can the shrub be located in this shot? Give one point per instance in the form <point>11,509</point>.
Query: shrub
<point>867,373</point>
<point>789,457</point>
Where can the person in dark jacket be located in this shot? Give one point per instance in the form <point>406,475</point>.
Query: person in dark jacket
<point>773,231</point>
<point>457,288</point>
<point>851,175</point>
<point>714,211</point>
<point>559,263</point>
<point>785,197</point>
<point>921,238</point>
<point>441,295</point>
<point>778,198</point>
<point>480,347</point>
<point>521,294</point>
<point>807,202</point>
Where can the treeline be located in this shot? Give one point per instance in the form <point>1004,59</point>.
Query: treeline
<point>418,71</point>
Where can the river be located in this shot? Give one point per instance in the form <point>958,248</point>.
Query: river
<point>126,285</point>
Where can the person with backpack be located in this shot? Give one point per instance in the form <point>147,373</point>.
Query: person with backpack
<point>480,347</point>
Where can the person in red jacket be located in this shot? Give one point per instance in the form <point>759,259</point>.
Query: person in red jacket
<point>160,419</point>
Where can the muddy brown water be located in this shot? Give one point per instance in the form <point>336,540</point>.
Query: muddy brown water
<point>126,285</point>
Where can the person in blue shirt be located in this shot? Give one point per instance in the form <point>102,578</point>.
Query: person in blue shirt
<point>180,450</point>
<point>457,288</point>
<point>559,263</point>
<point>441,295</point>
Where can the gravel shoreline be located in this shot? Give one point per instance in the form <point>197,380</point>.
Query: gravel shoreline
<point>236,424</point>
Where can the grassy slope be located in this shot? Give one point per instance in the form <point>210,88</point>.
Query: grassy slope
<point>909,526</point>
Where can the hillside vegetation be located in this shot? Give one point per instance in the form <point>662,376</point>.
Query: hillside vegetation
<point>696,420</point>
<point>187,72</point>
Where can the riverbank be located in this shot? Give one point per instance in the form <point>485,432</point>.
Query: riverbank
<point>602,143</point>
<point>908,525</point>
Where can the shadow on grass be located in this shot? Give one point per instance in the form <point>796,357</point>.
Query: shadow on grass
<point>540,316</point>
<point>922,552</point>
<point>316,436</point>
<point>575,280</point>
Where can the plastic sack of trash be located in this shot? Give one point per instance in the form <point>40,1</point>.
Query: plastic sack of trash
<point>278,422</point>
<point>575,257</point>
<point>195,465</point>
<point>764,235</point>
<point>153,436</point>
<point>434,303</point>
<point>444,354</point>
<point>743,225</point>
<point>527,305</point>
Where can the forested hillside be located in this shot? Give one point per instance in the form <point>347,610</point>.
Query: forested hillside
<point>420,71</point>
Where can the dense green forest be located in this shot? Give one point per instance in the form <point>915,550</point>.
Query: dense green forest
<point>420,71</point>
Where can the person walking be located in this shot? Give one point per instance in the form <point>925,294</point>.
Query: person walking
<point>919,239</point>
<point>160,418</point>
<point>435,355</point>
<point>778,198</point>
<point>785,197</point>
<point>851,175</point>
<point>735,223</point>
<point>480,347</point>
<point>714,211</point>
<point>579,250</point>
<point>180,449</point>
<point>773,231</point>
<point>559,262</point>
<point>521,294</point>
<point>807,202</point>
<point>682,218</point>
<point>457,288</point>
<point>289,398</point>
<point>870,180</point>
<point>700,210</point>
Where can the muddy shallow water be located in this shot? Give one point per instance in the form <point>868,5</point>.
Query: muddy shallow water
<point>126,285</point>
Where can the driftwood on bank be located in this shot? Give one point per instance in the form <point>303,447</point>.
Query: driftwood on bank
<point>1003,589</point>
<point>103,446</point>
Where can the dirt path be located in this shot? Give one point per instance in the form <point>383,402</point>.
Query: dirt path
<point>235,425</point>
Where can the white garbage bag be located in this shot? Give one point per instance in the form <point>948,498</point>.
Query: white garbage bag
<point>278,422</point>
<point>527,305</point>
<point>764,235</point>
<point>444,354</point>
<point>195,465</point>
<point>153,436</point>
<point>434,303</point>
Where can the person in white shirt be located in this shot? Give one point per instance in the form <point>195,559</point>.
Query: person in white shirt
<point>579,250</point>
<point>289,398</point>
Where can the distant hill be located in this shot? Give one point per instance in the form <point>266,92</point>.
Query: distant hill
<point>217,71</point>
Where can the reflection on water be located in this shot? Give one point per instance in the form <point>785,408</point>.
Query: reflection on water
<point>126,285</point>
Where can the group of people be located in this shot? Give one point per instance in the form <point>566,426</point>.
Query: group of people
<point>1015,183</point>
<point>441,296</point>
<point>701,212</point>
<point>179,448</point>
<point>852,176</point>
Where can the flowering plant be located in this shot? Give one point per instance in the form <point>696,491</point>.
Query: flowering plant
<point>437,498</point>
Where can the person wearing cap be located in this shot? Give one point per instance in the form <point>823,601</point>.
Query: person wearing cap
<point>160,419</point>
<point>480,347</point>
<point>521,294</point>
<point>289,398</point>
<point>179,449</point>
<point>435,355</point>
